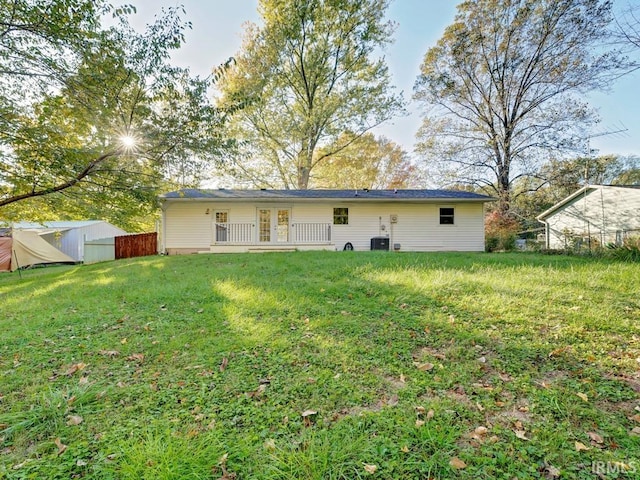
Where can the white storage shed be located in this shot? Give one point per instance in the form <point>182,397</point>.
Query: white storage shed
<point>69,236</point>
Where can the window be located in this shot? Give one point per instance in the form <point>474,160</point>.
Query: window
<point>446,216</point>
<point>341,216</point>
<point>222,217</point>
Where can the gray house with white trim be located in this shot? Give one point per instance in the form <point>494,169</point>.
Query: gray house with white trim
<point>218,221</point>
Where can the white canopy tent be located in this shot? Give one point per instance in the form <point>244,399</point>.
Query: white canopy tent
<point>25,248</point>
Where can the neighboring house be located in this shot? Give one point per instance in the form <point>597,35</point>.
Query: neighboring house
<point>594,215</point>
<point>69,236</point>
<point>261,220</point>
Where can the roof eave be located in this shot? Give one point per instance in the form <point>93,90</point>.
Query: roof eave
<point>327,199</point>
<point>547,213</point>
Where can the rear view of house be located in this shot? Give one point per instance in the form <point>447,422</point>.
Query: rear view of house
<point>595,215</point>
<point>261,220</point>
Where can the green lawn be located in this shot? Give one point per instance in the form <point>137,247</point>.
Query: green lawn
<point>418,366</point>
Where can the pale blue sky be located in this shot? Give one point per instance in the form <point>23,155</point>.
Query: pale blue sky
<point>217,32</point>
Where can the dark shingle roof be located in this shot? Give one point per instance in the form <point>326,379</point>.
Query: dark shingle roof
<point>190,193</point>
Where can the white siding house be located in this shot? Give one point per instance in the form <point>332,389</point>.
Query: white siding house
<point>597,214</point>
<point>69,236</point>
<point>261,220</point>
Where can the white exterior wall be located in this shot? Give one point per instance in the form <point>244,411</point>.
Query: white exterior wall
<point>71,241</point>
<point>604,213</point>
<point>187,228</point>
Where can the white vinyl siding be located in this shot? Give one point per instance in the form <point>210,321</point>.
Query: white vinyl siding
<point>187,225</point>
<point>70,240</point>
<point>602,214</point>
<point>417,229</point>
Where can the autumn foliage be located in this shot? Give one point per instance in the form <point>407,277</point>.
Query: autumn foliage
<point>500,231</point>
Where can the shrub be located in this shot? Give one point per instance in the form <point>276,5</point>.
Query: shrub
<point>629,251</point>
<point>500,232</point>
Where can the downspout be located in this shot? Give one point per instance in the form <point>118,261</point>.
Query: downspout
<point>163,233</point>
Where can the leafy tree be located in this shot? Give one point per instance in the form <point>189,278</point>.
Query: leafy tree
<point>64,116</point>
<point>502,87</point>
<point>367,162</point>
<point>306,77</point>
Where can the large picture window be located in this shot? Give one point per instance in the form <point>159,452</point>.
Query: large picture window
<point>447,215</point>
<point>341,216</point>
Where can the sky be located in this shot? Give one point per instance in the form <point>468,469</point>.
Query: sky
<point>216,35</point>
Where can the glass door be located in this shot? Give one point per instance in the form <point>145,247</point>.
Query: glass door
<point>283,226</point>
<point>264,225</point>
<point>274,225</point>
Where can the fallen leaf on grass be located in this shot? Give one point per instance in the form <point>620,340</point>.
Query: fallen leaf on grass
<point>521,434</point>
<point>457,464</point>
<point>270,444</point>
<point>481,430</point>
<point>635,431</point>
<point>430,414</point>
<point>581,447</point>
<point>76,367</point>
<point>61,446</point>
<point>74,420</point>
<point>582,396</point>
<point>370,468</point>
<point>419,423</point>
<point>308,416</point>
<point>404,449</point>
<point>552,472</point>
<point>109,353</point>
<point>258,392</point>
<point>223,466</point>
<point>558,351</point>
<point>223,364</point>
<point>136,357</point>
<point>595,438</point>
<point>424,367</point>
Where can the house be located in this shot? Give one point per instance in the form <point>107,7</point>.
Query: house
<point>222,220</point>
<point>69,236</point>
<point>595,215</point>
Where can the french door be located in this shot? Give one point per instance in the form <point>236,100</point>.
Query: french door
<point>274,225</point>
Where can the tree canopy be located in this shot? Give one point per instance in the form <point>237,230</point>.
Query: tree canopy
<point>96,113</point>
<point>367,162</point>
<point>305,78</point>
<point>501,89</point>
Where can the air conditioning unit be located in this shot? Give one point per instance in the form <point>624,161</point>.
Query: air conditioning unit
<point>380,243</point>
<point>393,218</point>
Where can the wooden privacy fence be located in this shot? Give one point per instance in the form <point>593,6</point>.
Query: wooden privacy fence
<point>136,245</point>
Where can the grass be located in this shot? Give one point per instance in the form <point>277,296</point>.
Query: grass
<point>419,366</point>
